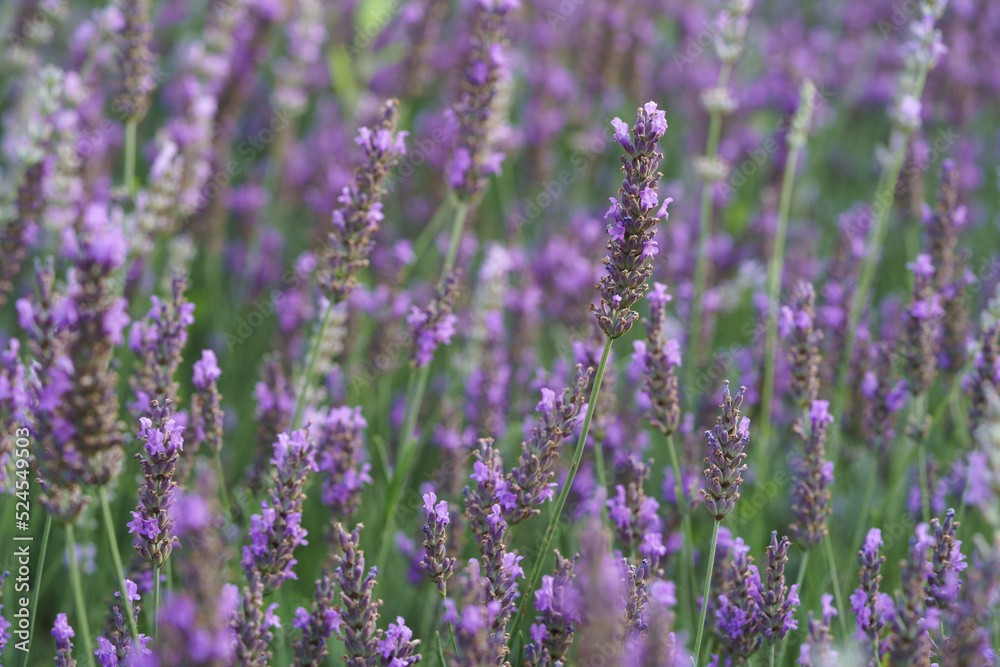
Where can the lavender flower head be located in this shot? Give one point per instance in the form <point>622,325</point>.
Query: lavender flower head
<point>816,651</point>
<point>726,442</point>
<point>778,602</point>
<point>118,648</point>
<point>475,117</point>
<point>473,623</point>
<point>436,564</point>
<point>634,514</point>
<point>63,634</point>
<point>317,625</point>
<point>908,641</point>
<point>867,603</point>
<point>206,411</point>
<point>660,357</point>
<point>923,321</point>
<point>277,530</point>
<point>15,402</point>
<point>152,520</point>
<point>340,447</point>
<point>947,561</point>
<point>138,63</point>
<point>434,325</point>
<point>813,478</point>
<point>633,222</point>
<point>738,620</point>
<point>356,219</point>
<point>796,322</point>
<point>557,604</point>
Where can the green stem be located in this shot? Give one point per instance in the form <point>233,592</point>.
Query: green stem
<point>536,572</point>
<point>223,493</point>
<point>414,399</point>
<point>130,143</point>
<point>774,270</point>
<point>836,586</point>
<point>802,568</point>
<point>310,368</point>
<point>116,558</point>
<point>688,585</point>
<point>707,592</point>
<point>83,625</point>
<point>704,231</point>
<point>38,583</point>
<point>919,411</point>
<point>440,649</point>
<point>772,654</point>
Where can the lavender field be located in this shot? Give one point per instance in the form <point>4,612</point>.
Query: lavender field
<point>514,333</point>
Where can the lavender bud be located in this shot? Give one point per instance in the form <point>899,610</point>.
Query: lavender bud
<point>777,601</point>
<point>436,564</point>
<point>317,626</point>
<point>634,514</point>
<point>340,448</point>
<point>434,325</point>
<point>661,355</point>
<point>797,324</point>
<point>252,625</point>
<point>138,63</point>
<point>738,619</point>
<point>923,326</point>
<point>813,478</point>
<point>63,634</point>
<point>908,641</point>
<point>726,442</point>
<point>633,222</point>
<point>119,648</point>
<point>867,603</point>
<point>557,604</point>
<point>152,520</point>
<point>206,413</point>
<point>947,560</point>
<point>817,650</point>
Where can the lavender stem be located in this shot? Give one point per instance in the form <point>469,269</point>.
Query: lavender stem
<point>81,608</point>
<point>836,585</point>
<point>536,572</point>
<point>130,145</point>
<point>687,561</point>
<point>310,369</point>
<point>707,591</point>
<point>116,559</point>
<point>38,583</point>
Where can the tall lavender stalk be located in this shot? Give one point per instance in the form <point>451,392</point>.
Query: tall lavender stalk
<point>628,263</point>
<point>922,52</point>
<point>719,102</point>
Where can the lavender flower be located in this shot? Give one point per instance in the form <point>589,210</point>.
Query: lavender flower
<point>94,320</point>
<point>726,442</point>
<point>985,375</point>
<point>817,651</point>
<point>159,341</point>
<point>814,476</point>
<point>277,530</point>
<point>252,625</point>
<point>206,413</point>
<point>475,117</point>
<point>633,222</point>
<point>356,220</point>
<point>558,417</point>
<point>601,592</point>
<point>658,646</point>
<point>777,602</point>
<point>969,642</point>
<point>738,618</point>
<point>436,564</point>
<point>275,403</point>
<point>943,226</point>
<point>152,520</point>
<point>923,326</point>
<point>660,356</point>
<point>947,560</point>
<point>4,623</point>
<point>14,408</point>
<point>364,641</point>
<point>317,625</point>
<point>884,395</point>
<point>867,603</point>
<point>119,648</point>
<point>908,641</point>
<point>473,626</point>
<point>634,514</point>
<point>339,447</point>
<point>138,63</point>
<point>558,610</point>
<point>434,325</point>
<point>63,634</point>
<point>796,322</point>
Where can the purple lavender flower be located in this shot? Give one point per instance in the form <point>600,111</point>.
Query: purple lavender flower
<point>557,418</point>
<point>317,625</point>
<point>252,625</point>
<point>277,530</point>
<point>884,395</point>
<point>476,117</point>
<point>119,648</point>
<point>634,514</point>
<point>866,600</point>
<point>601,592</point>
<point>206,412</point>
<point>923,326</point>
<point>364,641</point>
<point>63,634</point>
<point>158,341</point>
<point>633,223</point>
<point>984,379</point>
<point>473,625</point>
<point>557,605</point>
<point>152,520</point>
<point>738,620</point>
<point>339,447</point>
<point>660,356</point>
<point>434,325</point>
<point>947,560</point>
<point>969,642</point>
<point>726,442</point>
<point>275,404</point>
<point>908,641</point>
<point>356,219</point>
<point>814,476</point>
<point>777,602</point>
<point>137,62</point>
<point>796,322</point>
<point>436,564</point>
<point>944,225</point>
<point>14,408</point>
<point>817,651</point>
